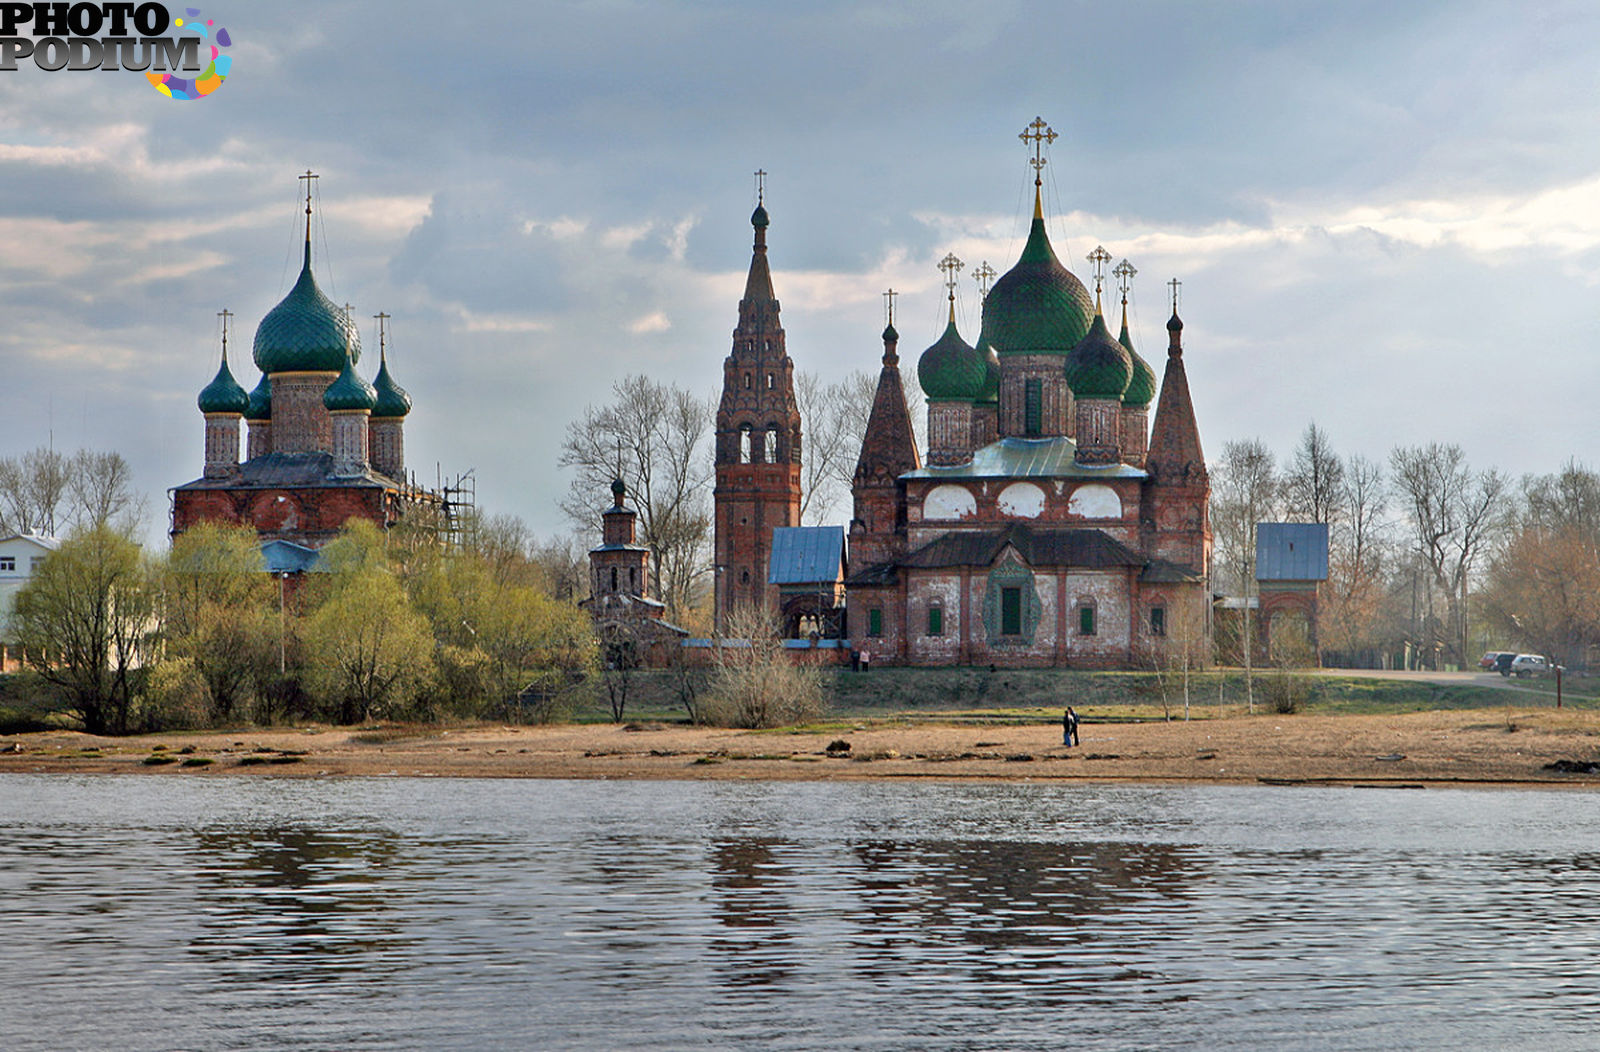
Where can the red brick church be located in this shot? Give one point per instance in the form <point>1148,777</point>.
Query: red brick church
<point>324,445</point>
<point>1052,522</point>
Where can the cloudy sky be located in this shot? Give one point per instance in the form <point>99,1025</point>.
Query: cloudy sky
<point>1386,217</point>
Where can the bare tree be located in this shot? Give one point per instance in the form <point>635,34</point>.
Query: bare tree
<point>563,565</point>
<point>1313,485</point>
<point>754,682</point>
<point>1452,513</point>
<point>47,492</point>
<point>33,488</point>
<point>1244,491</point>
<point>1543,584</point>
<point>1355,557</point>
<point>652,436</point>
<point>831,440</point>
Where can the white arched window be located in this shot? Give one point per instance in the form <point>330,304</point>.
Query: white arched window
<point>1022,500</point>
<point>744,444</point>
<point>772,445</point>
<point>949,502</point>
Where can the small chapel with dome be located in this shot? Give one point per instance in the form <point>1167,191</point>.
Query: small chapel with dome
<point>323,444</point>
<point>1052,521</point>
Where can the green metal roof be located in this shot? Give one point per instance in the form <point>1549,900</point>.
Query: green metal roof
<point>1142,387</point>
<point>305,332</point>
<point>393,402</point>
<point>260,401</point>
<point>989,394</point>
<point>950,370</point>
<point>1099,366</point>
<point>1027,458</point>
<point>223,394</point>
<point>1037,307</point>
<point>349,391</point>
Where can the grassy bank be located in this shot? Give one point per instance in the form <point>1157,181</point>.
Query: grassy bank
<point>1040,694</point>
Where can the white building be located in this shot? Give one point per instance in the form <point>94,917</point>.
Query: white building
<point>20,556</point>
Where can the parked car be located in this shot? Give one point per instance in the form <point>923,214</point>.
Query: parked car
<point>1491,657</point>
<point>1525,665</point>
<point>1502,663</point>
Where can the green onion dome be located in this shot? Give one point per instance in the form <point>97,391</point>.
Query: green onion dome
<point>758,218</point>
<point>223,394</point>
<point>1037,307</point>
<point>393,402</point>
<point>990,394</point>
<point>260,401</point>
<point>349,391</point>
<point>306,332</point>
<point>1142,387</point>
<point>890,335</point>
<point>950,370</point>
<point>1099,366</point>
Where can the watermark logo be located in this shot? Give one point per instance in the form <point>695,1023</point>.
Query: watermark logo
<point>212,35</point>
<point>143,37</point>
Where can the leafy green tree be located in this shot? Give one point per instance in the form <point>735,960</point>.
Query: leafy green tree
<point>368,651</point>
<point>86,620</point>
<point>222,613</point>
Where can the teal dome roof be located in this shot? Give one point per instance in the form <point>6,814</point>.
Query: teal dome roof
<point>305,332</point>
<point>1099,366</point>
<point>1036,307</point>
<point>260,401</point>
<point>890,335</point>
<point>1142,387</point>
<point>349,391</point>
<point>393,402</point>
<point>950,370</point>
<point>223,394</point>
<point>758,218</point>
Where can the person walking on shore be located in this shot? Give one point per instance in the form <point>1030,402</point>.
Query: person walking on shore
<point>1069,727</point>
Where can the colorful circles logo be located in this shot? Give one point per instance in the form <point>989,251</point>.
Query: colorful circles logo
<point>215,73</point>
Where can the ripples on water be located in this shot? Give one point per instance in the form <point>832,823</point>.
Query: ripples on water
<point>154,913</point>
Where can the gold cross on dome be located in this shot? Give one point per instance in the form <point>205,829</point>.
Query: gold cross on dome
<point>309,179</point>
<point>951,267</point>
<point>225,314</point>
<point>1174,285</point>
<point>983,276</point>
<point>1039,133</point>
<point>1098,260</point>
<point>383,333</point>
<point>888,305</point>
<point>1125,273</point>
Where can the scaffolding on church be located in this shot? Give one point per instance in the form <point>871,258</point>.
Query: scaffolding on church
<point>449,508</point>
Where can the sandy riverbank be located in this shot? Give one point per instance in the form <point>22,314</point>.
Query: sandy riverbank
<point>1431,748</point>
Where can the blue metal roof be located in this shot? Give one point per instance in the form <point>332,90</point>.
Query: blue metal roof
<point>1291,551</point>
<point>288,557</point>
<point>806,555</point>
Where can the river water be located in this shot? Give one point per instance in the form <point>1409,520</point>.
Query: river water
<point>246,913</point>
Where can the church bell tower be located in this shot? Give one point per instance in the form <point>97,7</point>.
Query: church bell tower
<point>758,442</point>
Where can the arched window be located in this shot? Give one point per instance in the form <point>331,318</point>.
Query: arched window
<point>613,578</point>
<point>744,444</point>
<point>633,578</point>
<point>935,619</point>
<point>1032,407</point>
<point>747,381</point>
<point>772,445</point>
<point>769,381</point>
